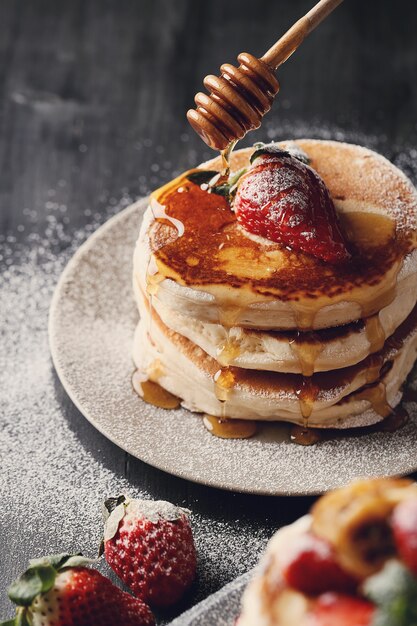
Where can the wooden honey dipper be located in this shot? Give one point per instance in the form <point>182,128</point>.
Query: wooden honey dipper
<point>241,96</point>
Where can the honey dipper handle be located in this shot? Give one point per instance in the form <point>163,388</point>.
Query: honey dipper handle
<point>289,42</point>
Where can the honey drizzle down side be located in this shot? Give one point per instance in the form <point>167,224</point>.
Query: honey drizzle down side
<point>228,318</point>
<point>229,350</point>
<point>304,317</point>
<point>224,381</point>
<point>396,420</point>
<point>374,333</point>
<point>150,390</point>
<point>307,352</point>
<point>377,397</point>
<point>225,158</point>
<point>307,394</point>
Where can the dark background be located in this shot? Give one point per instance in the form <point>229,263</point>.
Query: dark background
<point>95,93</point>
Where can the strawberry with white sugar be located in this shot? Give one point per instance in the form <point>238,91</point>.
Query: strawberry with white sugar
<point>150,546</point>
<point>281,198</point>
<point>61,590</point>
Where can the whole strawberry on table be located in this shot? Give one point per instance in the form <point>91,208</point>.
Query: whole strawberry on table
<point>61,590</point>
<point>150,547</point>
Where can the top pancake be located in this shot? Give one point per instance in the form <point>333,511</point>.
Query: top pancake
<point>248,277</point>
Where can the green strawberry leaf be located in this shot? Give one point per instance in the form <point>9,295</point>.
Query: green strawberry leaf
<point>34,581</point>
<point>40,578</point>
<point>101,548</point>
<point>58,561</point>
<point>210,178</point>
<point>221,190</point>
<point>77,560</point>
<point>234,177</point>
<point>54,559</point>
<point>110,504</point>
<point>111,525</point>
<point>10,622</point>
<point>394,591</point>
<point>297,152</point>
<point>201,177</point>
<point>272,148</point>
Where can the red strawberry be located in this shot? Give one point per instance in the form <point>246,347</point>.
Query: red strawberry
<point>150,546</point>
<point>60,591</point>
<point>283,199</point>
<point>404,526</point>
<point>309,565</point>
<point>332,609</point>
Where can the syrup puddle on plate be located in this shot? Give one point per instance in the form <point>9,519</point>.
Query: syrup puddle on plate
<point>229,428</point>
<point>153,393</point>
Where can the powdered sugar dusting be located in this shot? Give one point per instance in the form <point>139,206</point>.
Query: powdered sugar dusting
<point>155,510</point>
<point>282,178</point>
<point>52,484</point>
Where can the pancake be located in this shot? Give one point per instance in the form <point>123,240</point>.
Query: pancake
<point>217,273</point>
<point>356,396</point>
<point>289,351</point>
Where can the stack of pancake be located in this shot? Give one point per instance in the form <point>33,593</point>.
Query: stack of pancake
<point>241,327</point>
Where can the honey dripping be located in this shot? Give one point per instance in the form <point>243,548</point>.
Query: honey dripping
<point>304,316</point>
<point>374,333</point>
<point>396,420</point>
<point>224,381</point>
<point>153,393</point>
<point>229,351</point>
<point>228,318</point>
<point>373,371</point>
<point>306,393</point>
<point>152,283</point>
<point>377,397</point>
<point>229,428</point>
<point>307,352</point>
<point>153,276</point>
<point>225,158</point>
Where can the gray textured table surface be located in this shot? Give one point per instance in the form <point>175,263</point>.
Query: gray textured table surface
<point>93,97</point>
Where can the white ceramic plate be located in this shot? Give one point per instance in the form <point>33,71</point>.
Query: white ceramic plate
<point>92,321</point>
